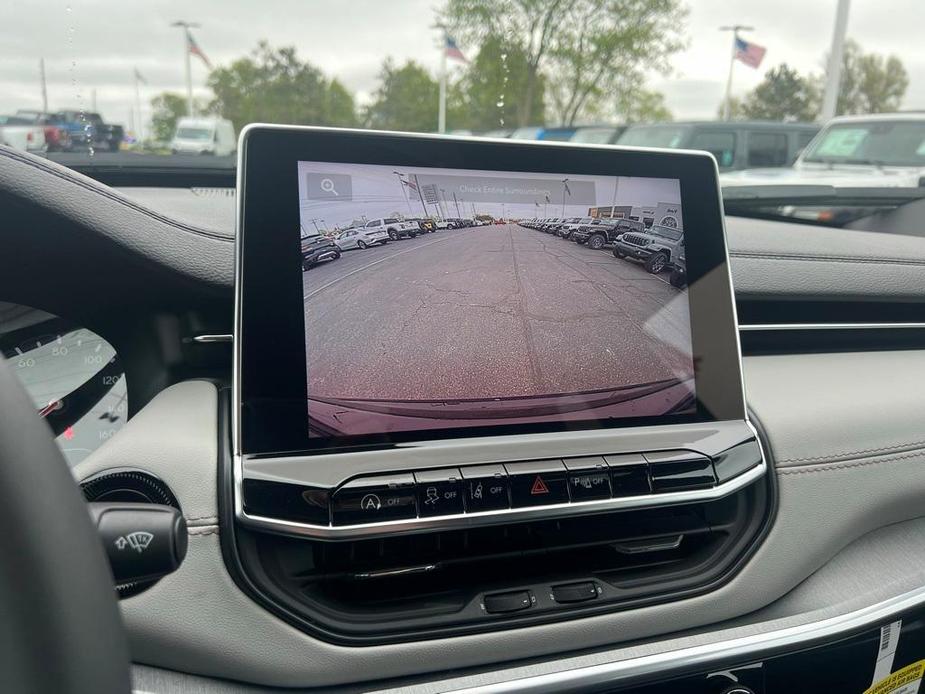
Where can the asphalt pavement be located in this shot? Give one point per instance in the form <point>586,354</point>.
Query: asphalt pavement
<point>494,311</point>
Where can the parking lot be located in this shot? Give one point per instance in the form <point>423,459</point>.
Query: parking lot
<point>489,311</point>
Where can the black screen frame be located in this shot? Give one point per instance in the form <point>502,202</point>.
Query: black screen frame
<point>270,371</point>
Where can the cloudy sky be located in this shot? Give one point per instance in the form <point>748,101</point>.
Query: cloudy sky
<point>92,46</point>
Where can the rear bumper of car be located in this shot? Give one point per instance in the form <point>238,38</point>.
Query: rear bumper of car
<point>320,254</point>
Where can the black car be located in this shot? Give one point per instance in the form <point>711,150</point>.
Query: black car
<point>603,231</point>
<point>317,248</point>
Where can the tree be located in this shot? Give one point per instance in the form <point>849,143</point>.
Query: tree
<point>407,99</point>
<point>274,86</point>
<point>870,83</point>
<point>167,108</point>
<point>487,95</point>
<point>585,48</point>
<point>642,106</point>
<point>783,95</point>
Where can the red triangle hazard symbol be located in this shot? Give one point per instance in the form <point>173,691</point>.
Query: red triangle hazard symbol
<point>539,486</point>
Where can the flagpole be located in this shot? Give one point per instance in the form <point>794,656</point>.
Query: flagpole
<point>186,26</point>
<point>727,100</point>
<point>833,73</point>
<point>44,88</point>
<point>441,117</point>
<point>138,132</point>
<point>401,184</point>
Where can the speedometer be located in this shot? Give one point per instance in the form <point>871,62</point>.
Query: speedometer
<point>73,376</point>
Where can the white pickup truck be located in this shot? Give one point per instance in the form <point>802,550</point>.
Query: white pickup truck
<point>396,228</point>
<point>20,133</point>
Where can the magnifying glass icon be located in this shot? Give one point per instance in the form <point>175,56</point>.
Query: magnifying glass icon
<point>327,185</point>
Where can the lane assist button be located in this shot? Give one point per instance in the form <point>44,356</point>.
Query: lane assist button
<point>374,499</point>
<point>439,492</point>
<point>537,483</point>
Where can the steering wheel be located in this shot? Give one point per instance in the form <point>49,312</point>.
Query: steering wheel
<point>60,627</point>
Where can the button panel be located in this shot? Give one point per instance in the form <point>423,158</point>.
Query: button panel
<point>495,487</point>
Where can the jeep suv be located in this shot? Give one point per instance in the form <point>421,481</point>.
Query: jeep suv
<point>603,231</point>
<point>396,228</point>
<point>659,247</point>
<point>571,225</point>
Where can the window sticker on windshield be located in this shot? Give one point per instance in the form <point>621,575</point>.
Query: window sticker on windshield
<point>842,142</point>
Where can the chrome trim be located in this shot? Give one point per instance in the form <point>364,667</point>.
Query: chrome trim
<point>207,339</point>
<point>471,520</point>
<point>743,648</point>
<point>779,327</point>
<point>385,573</point>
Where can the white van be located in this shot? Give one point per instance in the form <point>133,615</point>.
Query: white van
<point>204,136</point>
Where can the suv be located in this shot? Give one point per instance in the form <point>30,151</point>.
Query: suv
<point>571,225</point>
<point>735,144</point>
<point>659,246</point>
<point>317,248</point>
<point>603,231</point>
<point>396,228</point>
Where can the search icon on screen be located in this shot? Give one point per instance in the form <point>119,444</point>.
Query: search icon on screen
<point>323,185</point>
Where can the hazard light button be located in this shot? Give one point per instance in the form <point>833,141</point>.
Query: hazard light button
<point>537,483</point>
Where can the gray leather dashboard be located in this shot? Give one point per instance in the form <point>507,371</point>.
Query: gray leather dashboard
<point>845,468</point>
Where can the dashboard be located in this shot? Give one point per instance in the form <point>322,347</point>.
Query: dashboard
<point>832,328</point>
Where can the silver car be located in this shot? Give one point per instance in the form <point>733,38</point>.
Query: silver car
<point>360,238</point>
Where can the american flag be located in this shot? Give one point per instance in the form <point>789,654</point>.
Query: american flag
<point>452,50</point>
<point>410,184</point>
<point>194,49</point>
<point>749,53</point>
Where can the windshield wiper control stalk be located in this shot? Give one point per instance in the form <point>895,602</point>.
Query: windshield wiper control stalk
<point>142,541</point>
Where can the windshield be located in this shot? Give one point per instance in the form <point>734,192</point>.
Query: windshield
<point>132,86</point>
<point>891,143</point>
<point>193,134</point>
<point>653,137</point>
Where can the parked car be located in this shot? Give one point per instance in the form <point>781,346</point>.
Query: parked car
<point>19,133</point>
<point>659,247</point>
<point>605,231</point>
<point>425,224</point>
<point>395,228</point>
<point>678,276</point>
<point>484,220</point>
<point>882,151</point>
<point>597,134</point>
<point>735,144</point>
<point>444,224</point>
<point>204,136</point>
<point>360,238</point>
<point>557,134</point>
<point>572,224</point>
<point>57,138</point>
<point>317,248</point>
<point>87,129</point>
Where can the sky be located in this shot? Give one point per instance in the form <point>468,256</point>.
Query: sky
<point>91,47</point>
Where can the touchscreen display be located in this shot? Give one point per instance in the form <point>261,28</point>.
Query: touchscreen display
<point>452,298</point>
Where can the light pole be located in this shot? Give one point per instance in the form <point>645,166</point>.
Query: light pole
<point>186,26</point>
<point>401,184</point>
<point>564,191</point>
<point>735,29</point>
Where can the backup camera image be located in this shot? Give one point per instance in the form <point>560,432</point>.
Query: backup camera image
<point>450,298</point>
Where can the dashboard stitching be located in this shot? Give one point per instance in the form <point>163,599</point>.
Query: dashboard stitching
<point>845,466</point>
<point>828,259</point>
<point>833,456</point>
<point>98,190</point>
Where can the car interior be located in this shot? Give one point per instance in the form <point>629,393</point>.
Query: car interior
<point>697,541</point>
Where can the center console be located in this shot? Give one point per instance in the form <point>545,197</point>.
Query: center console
<point>449,417</point>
